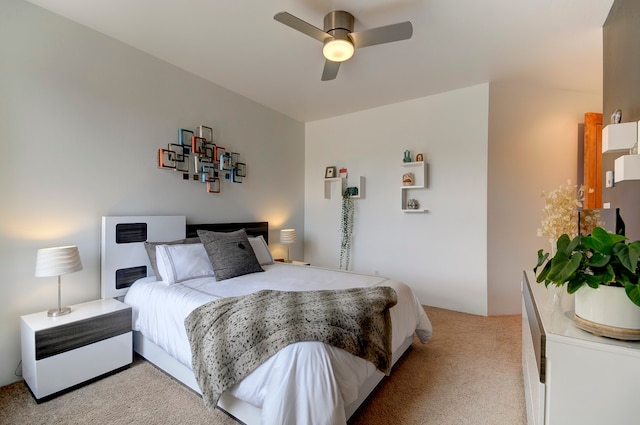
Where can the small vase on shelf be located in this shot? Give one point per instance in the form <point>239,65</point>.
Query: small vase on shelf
<point>407,179</point>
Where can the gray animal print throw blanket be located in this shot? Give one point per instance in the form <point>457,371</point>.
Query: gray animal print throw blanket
<point>231,337</point>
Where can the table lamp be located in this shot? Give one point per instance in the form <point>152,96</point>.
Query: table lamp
<point>55,262</point>
<point>288,236</point>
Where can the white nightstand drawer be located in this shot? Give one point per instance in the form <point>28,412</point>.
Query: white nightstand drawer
<point>56,373</point>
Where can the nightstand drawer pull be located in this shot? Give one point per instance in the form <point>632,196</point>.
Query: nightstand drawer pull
<point>60,339</point>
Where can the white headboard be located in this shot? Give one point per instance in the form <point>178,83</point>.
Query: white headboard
<point>123,257</point>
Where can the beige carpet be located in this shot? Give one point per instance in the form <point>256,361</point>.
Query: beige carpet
<point>469,373</point>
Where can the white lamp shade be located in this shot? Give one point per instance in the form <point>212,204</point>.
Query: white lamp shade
<point>57,261</point>
<point>288,235</point>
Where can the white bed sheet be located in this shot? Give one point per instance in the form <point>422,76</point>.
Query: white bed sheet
<point>307,382</point>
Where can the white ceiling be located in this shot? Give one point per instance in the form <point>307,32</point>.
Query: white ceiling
<point>456,43</point>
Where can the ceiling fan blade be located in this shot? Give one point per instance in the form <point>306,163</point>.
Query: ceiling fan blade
<point>330,70</point>
<point>381,35</point>
<point>300,25</point>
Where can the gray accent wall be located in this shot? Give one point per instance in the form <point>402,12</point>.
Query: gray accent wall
<point>621,89</point>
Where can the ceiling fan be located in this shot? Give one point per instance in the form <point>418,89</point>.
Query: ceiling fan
<point>339,39</point>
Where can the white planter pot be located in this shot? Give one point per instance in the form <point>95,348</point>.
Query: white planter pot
<point>607,305</point>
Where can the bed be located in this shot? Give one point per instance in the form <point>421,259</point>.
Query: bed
<point>290,387</point>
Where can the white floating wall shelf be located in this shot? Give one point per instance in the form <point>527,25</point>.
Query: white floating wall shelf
<point>328,183</point>
<point>627,167</point>
<point>419,170</point>
<point>619,137</point>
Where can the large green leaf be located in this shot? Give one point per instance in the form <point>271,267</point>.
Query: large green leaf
<point>603,274</point>
<point>598,241</point>
<point>601,241</point>
<point>562,268</point>
<point>598,260</point>
<point>634,254</point>
<point>563,243</point>
<point>542,257</point>
<point>621,251</point>
<point>591,280</point>
<point>543,274</point>
<point>575,283</point>
<point>633,292</point>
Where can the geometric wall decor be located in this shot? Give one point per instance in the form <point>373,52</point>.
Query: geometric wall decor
<point>199,159</point>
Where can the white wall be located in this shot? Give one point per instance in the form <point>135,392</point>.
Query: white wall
<point>533,146</point>
<point>441,254</point>
<point>492,149</point>
<point>81,119</point>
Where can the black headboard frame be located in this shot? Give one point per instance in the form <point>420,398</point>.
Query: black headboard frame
<point>253,228</point>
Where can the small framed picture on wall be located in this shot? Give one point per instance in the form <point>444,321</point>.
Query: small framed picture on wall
<point>329,172</point>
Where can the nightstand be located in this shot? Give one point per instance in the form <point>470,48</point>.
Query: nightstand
<point>60,353</point>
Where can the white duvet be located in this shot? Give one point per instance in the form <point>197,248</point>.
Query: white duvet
<point>306,382</point>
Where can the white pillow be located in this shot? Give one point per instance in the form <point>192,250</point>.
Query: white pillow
<point>261,250</point>
<point>177,263</point>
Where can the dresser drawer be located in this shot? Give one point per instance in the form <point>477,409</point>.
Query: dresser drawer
<point>63,338</point>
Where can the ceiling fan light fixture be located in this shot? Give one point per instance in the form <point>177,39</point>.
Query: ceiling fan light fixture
<point>338,50</point>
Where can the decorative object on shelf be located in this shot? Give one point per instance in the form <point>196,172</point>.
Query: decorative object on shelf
<point>201,160</point>
<point>352,191</point>
<point>407,156</point>
<point>413,204</point>
<point>407,179</point>
<point>586,262</point>
<point>414,179</point>
<point>55,262</point>
<point>342,173</point>
<point>346,229</point>
<point>329,172</point>
<point>288,236</point>
<point>560,212</point>
<point>616,117</point>
<point>419,157</point>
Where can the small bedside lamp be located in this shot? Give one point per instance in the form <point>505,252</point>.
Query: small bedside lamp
<point>55,262</point>
<point>288,236</point>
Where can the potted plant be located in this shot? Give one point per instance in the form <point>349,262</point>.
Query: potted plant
<point>346,229</point>
<point>593,267</point>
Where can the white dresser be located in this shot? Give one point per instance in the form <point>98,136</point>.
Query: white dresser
<point>572,376</point>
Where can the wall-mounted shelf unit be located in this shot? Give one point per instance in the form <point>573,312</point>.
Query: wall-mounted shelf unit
<point>626,167</point>
<point>619,137</point>
<point>419,170</point>
<point>328,184</point>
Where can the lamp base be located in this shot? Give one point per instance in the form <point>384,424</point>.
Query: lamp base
<point>58,312</point>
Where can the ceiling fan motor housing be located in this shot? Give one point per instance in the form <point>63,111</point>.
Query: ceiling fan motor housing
<point>338,22</point>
